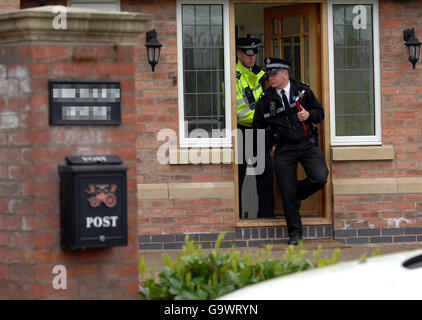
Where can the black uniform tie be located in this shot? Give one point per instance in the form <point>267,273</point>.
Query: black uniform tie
<point>284,97</point>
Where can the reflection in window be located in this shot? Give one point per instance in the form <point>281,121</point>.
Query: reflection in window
<point>353,71</point>
<point>203,61</point>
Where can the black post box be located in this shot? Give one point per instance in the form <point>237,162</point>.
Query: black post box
<point>93,202</point>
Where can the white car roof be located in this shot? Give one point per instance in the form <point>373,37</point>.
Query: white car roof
<point>382,277</point>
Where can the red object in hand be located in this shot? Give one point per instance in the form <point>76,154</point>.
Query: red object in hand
<point>299,107</point>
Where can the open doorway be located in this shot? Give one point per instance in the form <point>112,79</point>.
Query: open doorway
<point>291,32</point>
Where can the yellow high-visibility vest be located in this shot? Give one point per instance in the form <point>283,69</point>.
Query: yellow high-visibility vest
<point>247,78</point>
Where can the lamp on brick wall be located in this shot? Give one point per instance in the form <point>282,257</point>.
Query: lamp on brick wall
<point>413,46</point>
<point>153,48</point>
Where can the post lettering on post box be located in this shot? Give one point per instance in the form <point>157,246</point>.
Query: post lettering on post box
<point>101,222</point>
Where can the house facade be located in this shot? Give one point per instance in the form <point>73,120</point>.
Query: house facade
<point>178,136</point>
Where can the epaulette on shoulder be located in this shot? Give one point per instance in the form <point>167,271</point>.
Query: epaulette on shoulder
<point>305,84</point>
<point>238,74</point>
<point>261,96</point>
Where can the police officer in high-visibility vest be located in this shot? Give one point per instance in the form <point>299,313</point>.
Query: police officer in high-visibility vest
<point>249,87</point>
<point>291,109</point>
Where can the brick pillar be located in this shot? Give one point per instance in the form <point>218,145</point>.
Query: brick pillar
<point>31,149</point>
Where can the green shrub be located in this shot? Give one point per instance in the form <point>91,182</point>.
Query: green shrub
<point>192,276</point>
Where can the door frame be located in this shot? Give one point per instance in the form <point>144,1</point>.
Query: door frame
<point>325,100</point>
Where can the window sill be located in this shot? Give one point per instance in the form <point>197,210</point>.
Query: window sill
<point>362,153</point>
<point>201,156</point>
<point>354,186</point>
<point>276,222</point>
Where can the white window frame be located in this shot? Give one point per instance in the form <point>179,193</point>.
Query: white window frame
<point>205,142</point>
<point>356,140</point>
<point>94,4</point>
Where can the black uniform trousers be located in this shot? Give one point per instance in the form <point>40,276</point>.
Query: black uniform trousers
<point>264,181</point>
<point>287,157</point>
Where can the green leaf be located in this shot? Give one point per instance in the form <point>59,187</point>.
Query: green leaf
<point>142,267</point>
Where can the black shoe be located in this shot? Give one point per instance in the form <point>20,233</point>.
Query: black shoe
<point>294,240</point>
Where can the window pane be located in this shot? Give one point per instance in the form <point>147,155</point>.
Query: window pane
<point>353,59</point>
<point>341,128</point>
<point>192,124</point>
<point>305,24</point>
<point>190,82</point>
<point>204,104</point>
<point>217,81</point>
<point>203,37</point>
<point>338,14</point>
<point>216,15</point>
<point>354,70</point>
<point>352,36</point>
<point>291,52</point>
<point>340,58</point>
<point>217,37</point>
<point>218,105</point>
<point>353,80</point>
<point>339,35</point>
<point>307,66</point>
<point>275,48</point>
<point>188,59</point>
<point>190,105</point>
<point>202,16</point>
<point>367,79</point>
<point>340,80</point>
<point>188,36</point>
<point>368,126</point>
<point>204,82</point>
<point>203,63</point>
<point>218,59</point>
<point>188,15</point>
<point>367,101</point>
<point>291,25</point>
<point>369,15</point>
<point>353,103</point>
<point>349,14</point>
<point>341,103</point>
<point>275,27</point>
<point>365,37</point>
<point>354,124</point>
<point>366,58</point>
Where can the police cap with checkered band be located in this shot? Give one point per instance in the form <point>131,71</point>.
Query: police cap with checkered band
<point>273,65</point>
<point>248,45</point>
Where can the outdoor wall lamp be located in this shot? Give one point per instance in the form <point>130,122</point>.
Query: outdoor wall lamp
<point>153,48</point>
<point>413,46</point>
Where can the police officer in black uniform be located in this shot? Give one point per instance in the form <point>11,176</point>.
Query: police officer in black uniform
<point>293,144</point>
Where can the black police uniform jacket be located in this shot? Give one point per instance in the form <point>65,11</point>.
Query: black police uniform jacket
<point>284,125</point>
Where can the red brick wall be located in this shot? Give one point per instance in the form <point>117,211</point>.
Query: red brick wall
<point>401,89</point>
<point>9,5</point>
<point>156,109</point>
<point>31,149</point>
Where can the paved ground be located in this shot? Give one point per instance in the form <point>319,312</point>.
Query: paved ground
<point>348,252</point>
